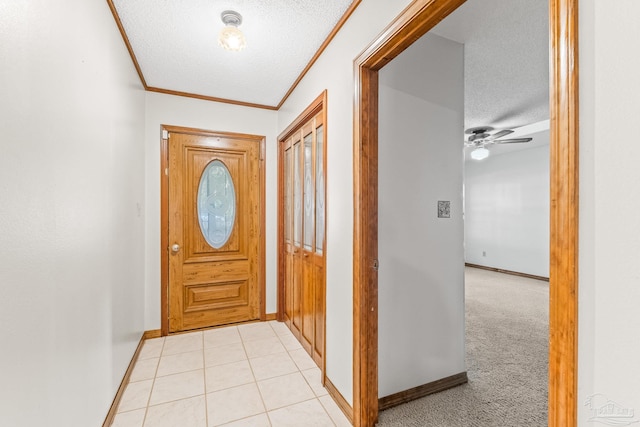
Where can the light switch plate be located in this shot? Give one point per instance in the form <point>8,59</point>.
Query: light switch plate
<point>444,209</point>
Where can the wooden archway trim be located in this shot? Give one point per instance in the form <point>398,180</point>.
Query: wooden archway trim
<point>415,21</point>
<point>563,267</point>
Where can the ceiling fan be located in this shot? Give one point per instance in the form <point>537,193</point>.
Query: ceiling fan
<point>480,136</point>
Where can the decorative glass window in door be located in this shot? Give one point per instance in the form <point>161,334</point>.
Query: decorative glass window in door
<point>308,193</point>
<point>319,189</point>
<point>288,211</point>
<point>216,204</point>
<point>297,197</point>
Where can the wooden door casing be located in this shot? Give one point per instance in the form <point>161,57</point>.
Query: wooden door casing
<point>413,22</point>
<point>208,286</point>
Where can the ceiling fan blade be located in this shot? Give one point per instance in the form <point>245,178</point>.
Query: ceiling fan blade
<point>478,129</point>
<point>499,134</point>
<point>512,141</point>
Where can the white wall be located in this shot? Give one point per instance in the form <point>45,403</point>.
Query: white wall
<point>179,111</point>
<point>334,71</point>
<point>609,294</point>
<point>507,210</point>
<point>421,276</point>
<point>71,212</point>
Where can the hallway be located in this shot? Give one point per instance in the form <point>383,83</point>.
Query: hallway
<point>254,375</point>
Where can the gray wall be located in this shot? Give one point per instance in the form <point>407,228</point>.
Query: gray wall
<point>420,283</point>
<point>507,209</point>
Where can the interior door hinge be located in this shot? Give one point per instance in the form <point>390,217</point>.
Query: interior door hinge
<point>165,134</point>
<point>376,264</point>
<point>166,171</point>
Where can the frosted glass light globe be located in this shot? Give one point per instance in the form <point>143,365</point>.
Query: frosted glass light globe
<point>479,153</point>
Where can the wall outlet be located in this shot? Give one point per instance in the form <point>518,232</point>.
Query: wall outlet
<point>484,253</point>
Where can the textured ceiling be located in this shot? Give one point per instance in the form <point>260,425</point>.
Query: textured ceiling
<point>175,44</point>
<point>506,58</point>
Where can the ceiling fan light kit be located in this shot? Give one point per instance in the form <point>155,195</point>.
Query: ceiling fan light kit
<point>479,153</point>
<point>481,136</point>
<point>231,38</point>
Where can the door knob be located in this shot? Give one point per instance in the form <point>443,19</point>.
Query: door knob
<point>175,247</point>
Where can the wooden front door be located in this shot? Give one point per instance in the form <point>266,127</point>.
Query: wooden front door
<point>214,228</point>
<point>302,230</point>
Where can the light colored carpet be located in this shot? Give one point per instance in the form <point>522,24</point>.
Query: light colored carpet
<point>507,354</point>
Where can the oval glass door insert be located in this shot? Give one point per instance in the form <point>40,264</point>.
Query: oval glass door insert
<point>216,204</point>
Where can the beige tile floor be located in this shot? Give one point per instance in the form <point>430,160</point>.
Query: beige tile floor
<point>254,375</point>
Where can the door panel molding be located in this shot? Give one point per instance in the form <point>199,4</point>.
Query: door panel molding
<point>235,249</point>
<point>415,21</point>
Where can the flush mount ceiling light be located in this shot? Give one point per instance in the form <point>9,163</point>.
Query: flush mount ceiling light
<point>231,38</point>
<point>479,153</point>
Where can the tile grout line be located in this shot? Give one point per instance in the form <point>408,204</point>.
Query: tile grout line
<point>146,409</point>
<point>248,360</point>
<point>298,370</point>
<point>204,378</point>
<point>327,412</point>
<point>177,373</point>
<point>255,380</point>
<point>316,397</point>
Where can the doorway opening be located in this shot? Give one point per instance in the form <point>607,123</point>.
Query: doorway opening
<point>413,23</point>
